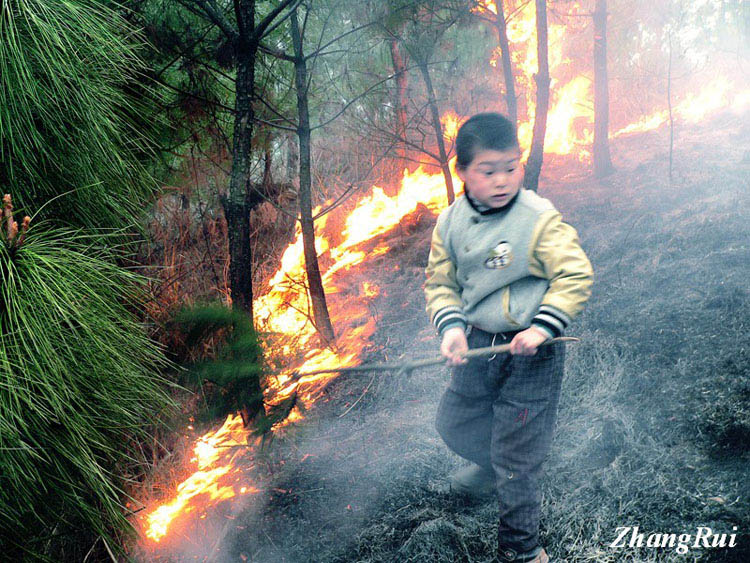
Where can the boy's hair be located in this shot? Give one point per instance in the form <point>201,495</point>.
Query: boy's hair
<point>484,131</point>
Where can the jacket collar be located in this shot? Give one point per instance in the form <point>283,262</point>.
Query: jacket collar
<point>484,210</point>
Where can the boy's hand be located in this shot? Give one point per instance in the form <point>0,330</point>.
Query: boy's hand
<point>526,342</point>
<point>453,345</point>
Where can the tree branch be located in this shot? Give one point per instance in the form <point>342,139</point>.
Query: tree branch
<point>260,29</point>
<point>183,53</point>
<point>276,53</point>
<point>277,114</point>
<point>211,11</point>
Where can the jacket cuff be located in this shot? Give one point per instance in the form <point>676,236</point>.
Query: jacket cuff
<point>545,329</point>
<point>456,324</point>
<point>552,320</point>
<point>448,317</point>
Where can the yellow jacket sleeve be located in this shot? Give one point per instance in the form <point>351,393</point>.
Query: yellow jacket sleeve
<point>441,288</point>
<point>557,255</point>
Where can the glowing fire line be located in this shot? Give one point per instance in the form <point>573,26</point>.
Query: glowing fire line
<point>279,310</point>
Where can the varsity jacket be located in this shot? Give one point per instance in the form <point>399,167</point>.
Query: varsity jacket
<point>506,269</point>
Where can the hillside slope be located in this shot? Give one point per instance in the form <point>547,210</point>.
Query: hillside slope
<point>654,423</point>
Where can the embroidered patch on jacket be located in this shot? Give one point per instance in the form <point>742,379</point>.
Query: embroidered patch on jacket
<point>500,256</point>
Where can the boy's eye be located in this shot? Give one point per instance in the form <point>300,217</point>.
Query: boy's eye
<point>511,169</point>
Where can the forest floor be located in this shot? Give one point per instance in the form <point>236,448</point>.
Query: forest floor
<point>654,421</point>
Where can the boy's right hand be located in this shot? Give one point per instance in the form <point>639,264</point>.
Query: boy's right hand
<point>454,345</point>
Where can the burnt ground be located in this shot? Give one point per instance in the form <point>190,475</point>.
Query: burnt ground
<point>654,421</point>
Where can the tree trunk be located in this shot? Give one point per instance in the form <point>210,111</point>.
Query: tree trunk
<point>602,159</point>
<point>321,318</point>
<point>669,107</point>
<point>267,162</point>
<point>510,88</point>
<point>536,155</point>
<point>438,130</point>
<point>399,69</point>
<point>236,205</point>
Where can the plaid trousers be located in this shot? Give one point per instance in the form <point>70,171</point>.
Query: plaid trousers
<point>500,413</point>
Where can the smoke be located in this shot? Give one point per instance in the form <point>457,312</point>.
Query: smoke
<point>341,468</point>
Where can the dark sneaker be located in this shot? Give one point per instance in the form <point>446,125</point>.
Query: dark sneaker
<point>473,481</point>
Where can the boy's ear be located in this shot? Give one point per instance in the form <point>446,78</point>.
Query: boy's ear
<point>461,174</point>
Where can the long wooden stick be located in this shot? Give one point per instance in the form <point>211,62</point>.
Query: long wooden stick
<point>408,366</point>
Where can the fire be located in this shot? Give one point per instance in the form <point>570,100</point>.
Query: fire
<point>370,290</point>
<point>450,122</point>
<point>570,116</point>
<point>217,483</point>
<point>283,309</point>
<point>716,95</point>
<point>644,124</point>
<point>487,6</point>
<point>569,122</point>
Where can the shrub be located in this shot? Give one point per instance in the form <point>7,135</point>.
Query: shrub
<point>79,385</point>
<point>71,119</point>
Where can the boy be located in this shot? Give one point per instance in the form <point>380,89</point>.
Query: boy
<point>503,267</point>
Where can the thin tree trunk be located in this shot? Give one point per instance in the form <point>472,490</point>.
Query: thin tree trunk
<point>536,155</point>
<point>669,106</point>
<point>267,162</point>
<point>438,130</point>
<point>602,159</point>
<point>237,203</point>
<point>510,88</point>
<point>399,69</point>
<point>292,159</point>
<point>321,318</point>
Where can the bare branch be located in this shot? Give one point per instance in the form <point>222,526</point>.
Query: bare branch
<point>275,125</point>
<point>276,52</point>
<point>210,10</point>
<point>332,41</point>
<point>277,114</point>
<point>182,54</point>
<point>195,96</point>
<point>260,29</point>
<point>367,91</point>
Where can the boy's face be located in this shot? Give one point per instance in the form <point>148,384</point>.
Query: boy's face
<point>493,177</point>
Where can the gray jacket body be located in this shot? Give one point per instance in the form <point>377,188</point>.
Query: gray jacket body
<point>492,256</point>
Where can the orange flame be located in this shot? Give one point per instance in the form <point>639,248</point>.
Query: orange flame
<point>450,122</point>
<point>718,94</point>
<point>218,483</point>
<point>283,309</point>
<point>570,117</point>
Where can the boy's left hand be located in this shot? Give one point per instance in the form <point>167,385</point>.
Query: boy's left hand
<point>525,343</point>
